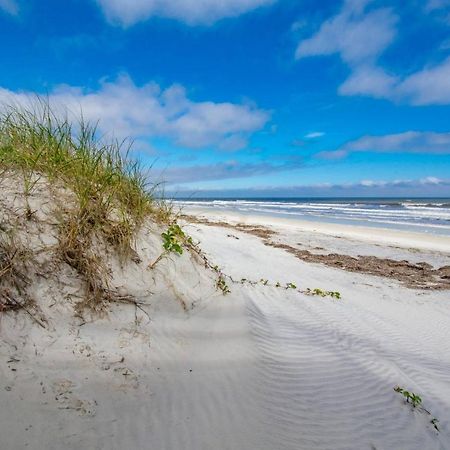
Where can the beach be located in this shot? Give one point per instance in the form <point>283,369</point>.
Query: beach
<point>271,359</point>
<point>225,225</point>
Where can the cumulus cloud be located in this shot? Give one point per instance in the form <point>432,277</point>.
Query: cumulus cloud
<point>359,36</point>
<point>369,80</point>
<point>10,6</point>
<point>428,86</point>
<point>192,12</point>
<point>407,142</point>
<point>225,170</point>
<point>141,112</point>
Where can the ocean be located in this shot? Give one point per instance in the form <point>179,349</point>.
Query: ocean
<point>428,215</point>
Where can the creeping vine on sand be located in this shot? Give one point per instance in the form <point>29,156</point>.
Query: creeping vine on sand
<point>322,293</point>
<point>415,401</point>
<point>173,239</point>
<point>222,285</point>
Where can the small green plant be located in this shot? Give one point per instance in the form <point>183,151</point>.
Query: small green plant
<point>322,293</point>
<point>416,402</point>
<point>264,281</point>
<point>172,239</point>
<point>291,286</point>
<point>222,285</point>
<point>410,397</point>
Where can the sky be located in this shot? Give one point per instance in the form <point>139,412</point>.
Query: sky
<point>248,97</point>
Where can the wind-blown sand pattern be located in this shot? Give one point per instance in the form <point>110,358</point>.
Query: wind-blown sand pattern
<point>261,368</point>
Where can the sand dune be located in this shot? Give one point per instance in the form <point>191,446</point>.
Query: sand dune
<point>261,368</point>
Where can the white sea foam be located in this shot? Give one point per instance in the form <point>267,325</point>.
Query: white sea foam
<point>428,215</point>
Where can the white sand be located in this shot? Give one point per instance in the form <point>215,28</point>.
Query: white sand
<point>321,237</point>
<point>262,368</point>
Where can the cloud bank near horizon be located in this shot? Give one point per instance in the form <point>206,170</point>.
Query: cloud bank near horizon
<point>424,187</point>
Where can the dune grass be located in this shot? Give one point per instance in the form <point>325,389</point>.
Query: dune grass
<point>102,176</point>
<point>112,194</point>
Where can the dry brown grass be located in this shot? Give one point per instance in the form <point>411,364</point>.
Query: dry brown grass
<point>112,197</point>
<point>14,281</point>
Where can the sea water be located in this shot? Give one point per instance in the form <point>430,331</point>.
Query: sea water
<point>428,215</point>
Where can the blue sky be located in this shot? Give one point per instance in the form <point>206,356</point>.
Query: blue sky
<point>249,97</point>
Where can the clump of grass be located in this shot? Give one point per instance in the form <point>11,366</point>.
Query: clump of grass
<point>14,279</point>
<point>13,274</point>
<point>111,193</point>
<point>107,183</point>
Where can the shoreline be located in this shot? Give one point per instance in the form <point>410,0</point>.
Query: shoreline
<point>417,265</point>
<point>375,235</point>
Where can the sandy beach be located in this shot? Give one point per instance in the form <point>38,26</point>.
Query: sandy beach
<point>269,365</point>
<point>225,225</point>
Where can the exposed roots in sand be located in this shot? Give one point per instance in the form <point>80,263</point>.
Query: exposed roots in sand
<point>14,281</point>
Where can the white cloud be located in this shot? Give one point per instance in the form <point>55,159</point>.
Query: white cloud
<point>431,180</point>
<point>192,12</point>
<point>428,86</point>
<point>314,135</point>
<point>426,142</point>
<point>10,6</point>
<point>409,141</point>
<point>369,80</point>
<point>358,37</point>
<point>126,110</point>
